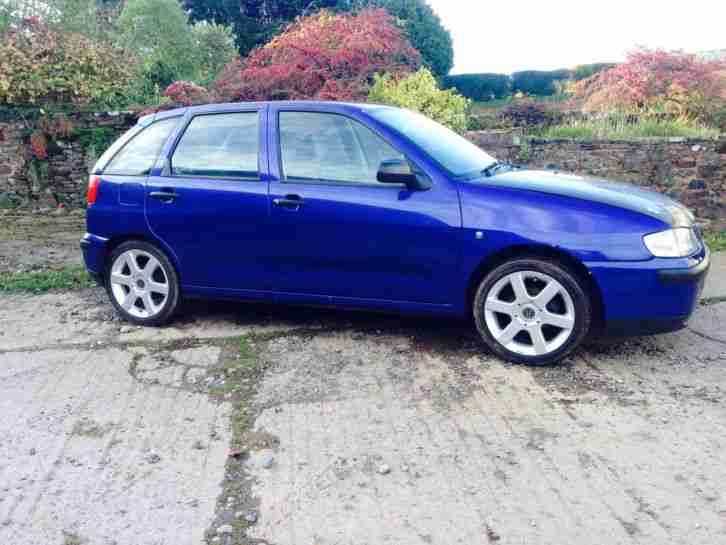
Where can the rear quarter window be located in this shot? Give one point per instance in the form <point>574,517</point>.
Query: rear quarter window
<point>140,150</point>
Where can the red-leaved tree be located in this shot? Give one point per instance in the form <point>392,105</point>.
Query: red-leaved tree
<point>324,56</point>
<point>655,81</point>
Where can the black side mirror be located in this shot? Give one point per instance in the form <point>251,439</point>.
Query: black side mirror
<point>398,171</point>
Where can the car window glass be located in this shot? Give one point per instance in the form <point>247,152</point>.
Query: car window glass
<point>219,145</point>
<point>317,146</point>
<point>138,156</point>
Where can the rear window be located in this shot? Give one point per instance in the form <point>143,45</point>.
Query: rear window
<point>219,146</point>
<point>140,150</point>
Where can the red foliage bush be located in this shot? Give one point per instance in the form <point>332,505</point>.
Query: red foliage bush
<point>655,81</point>
<point>323,56</point>
<point>39,145</point>
<point>186,93</point>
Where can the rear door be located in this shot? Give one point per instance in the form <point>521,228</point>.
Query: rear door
<point>209,204</point>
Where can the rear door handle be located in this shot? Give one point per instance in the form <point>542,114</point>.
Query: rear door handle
<point>293,202</point>
<point>163,196</point>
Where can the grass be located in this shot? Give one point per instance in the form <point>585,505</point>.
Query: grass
<point>241,369</point>
<point>716,240</point>
<point>68,278</point>
<point>617,128</point>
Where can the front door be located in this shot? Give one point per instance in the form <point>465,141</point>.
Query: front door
<point>210,204</point>
<point>338,232</point>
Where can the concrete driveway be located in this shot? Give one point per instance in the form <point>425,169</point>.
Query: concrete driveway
<point>244,424</point>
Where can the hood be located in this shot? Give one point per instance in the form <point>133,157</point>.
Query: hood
<point>602,191</point>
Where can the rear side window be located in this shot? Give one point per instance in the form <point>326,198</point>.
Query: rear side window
<point>219,146</point>
<point>138,156</point>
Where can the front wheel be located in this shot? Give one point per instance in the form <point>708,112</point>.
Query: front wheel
<point>142,283</point>
<point>532,311</point>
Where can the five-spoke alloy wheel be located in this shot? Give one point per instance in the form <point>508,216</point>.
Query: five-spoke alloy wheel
<point>142,284</point>
<point>532,311</point>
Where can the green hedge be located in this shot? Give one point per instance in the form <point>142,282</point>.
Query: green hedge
<point>538,82</point>
<point>480,87</point>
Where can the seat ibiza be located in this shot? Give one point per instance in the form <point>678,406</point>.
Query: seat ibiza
<point>379,208</point>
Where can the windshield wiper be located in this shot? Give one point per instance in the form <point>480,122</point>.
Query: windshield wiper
<point>489,171</point>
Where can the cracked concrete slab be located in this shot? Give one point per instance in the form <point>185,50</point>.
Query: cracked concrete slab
<point>433,443</point>
<point>85,317</point>
<point>366,429</point>
<point>710,322</point>
<point>715,285</point>
<point>89,451</point>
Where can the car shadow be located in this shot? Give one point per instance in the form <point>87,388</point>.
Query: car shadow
<point>442,332</point>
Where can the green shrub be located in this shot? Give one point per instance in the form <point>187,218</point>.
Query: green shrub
<point>420,92</point>
<point>480,87</point>
<point>621,127</point>
<point>40,65</point>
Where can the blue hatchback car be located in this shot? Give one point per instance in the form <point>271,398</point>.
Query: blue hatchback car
<point>374,207</point>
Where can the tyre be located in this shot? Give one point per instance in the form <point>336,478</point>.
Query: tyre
<point>142,283</point>
<point>532,311</point>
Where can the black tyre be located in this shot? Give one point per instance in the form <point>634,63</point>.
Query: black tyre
<point>532,311</point>
<point>142,283</point>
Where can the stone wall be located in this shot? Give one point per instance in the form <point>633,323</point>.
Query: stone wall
<point>691,171</point>
<point>69,160</point>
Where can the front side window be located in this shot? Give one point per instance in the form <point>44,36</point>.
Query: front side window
<point>138,156</point>
<point>455,153</point>
<point>330,147</point>
<point>219,145</point>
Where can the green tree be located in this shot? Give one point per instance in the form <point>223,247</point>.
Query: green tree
<point>255,22</point>
<point>215,47</point>
<point>420,92</point>
<point>159,33</point>
<point>425,32</point>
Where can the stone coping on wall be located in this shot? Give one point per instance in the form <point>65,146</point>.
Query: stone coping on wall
<point>517,137</point>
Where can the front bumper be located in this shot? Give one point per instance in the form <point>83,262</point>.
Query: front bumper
<point>94,255</point>
<point>696,273</point>
<point>654,296</point>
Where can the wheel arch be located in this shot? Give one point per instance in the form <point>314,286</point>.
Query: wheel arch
<point>116,241</point>
<point>571,263</point>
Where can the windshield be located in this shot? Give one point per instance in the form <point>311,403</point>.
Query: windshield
<point>457,155</point>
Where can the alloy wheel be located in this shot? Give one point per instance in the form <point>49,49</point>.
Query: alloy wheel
<point>529,313</point>
<point>139,283</point>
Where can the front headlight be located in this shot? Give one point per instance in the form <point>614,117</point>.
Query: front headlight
<point>680,242</point>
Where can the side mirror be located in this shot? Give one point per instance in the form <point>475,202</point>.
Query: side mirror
<point>397,171</point>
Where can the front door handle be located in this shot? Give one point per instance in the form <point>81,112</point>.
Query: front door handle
<point>294,202</point>
<point>163,196</point>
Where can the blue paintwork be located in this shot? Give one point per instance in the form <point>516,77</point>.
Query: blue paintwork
<point>386,247</point>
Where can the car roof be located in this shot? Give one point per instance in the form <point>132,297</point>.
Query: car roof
<point>322,105</point>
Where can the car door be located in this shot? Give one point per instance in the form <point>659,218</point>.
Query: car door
<point>209,204</point>
<point>337,231</point>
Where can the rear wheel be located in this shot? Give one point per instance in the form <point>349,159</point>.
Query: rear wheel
<point>532,311</point>
<point>142,283</point>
